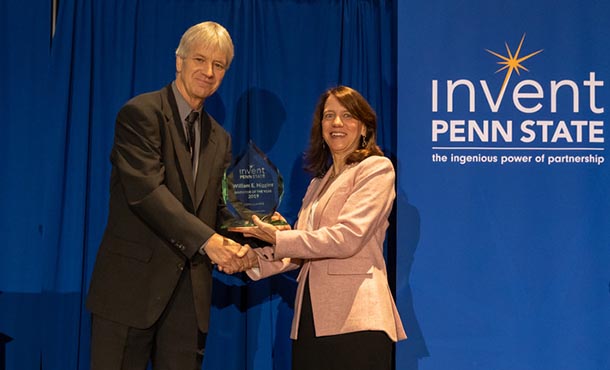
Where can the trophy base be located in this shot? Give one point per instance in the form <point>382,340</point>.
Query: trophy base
<point>248,223</point>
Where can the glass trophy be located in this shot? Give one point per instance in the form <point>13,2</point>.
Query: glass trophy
<point>252,186</point>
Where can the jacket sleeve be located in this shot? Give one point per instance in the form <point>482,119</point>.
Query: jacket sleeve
<point>269,266</point>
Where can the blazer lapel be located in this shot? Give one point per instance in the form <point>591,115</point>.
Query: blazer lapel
<point>323,198</point>
<point>328,193</point>
<point>308,200</point>
<point>207,156</point>
<point>179,141</point>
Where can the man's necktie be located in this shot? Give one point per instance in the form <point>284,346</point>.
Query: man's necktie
<point>191,121</point>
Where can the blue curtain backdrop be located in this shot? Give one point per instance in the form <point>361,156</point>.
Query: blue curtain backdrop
<point>59,97</point>
<point>508,261</point>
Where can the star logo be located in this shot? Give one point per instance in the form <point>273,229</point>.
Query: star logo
<point>512,62</point>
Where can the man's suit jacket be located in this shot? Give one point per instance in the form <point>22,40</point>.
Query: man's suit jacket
<point>342,253</point>
<point>158,218</point>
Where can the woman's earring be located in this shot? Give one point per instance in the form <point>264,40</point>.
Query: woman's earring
<point>363,141</point>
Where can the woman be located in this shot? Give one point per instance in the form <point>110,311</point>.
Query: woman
<point>345,316</point>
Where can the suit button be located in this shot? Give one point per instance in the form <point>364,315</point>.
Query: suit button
<point>180,266</point>
<point>182,247</point>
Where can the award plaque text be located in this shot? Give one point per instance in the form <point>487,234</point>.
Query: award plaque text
<point>252,186</point>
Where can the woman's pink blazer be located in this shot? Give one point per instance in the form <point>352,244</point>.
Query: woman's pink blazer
<point>342,254</point>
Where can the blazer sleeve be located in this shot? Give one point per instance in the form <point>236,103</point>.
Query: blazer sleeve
<point>138,157</point>
<point>269,266</point>
<point>360,211</point>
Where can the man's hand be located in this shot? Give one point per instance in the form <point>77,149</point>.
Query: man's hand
<point>247,259</point>
<point>251,258</point>
<point>224,252</point>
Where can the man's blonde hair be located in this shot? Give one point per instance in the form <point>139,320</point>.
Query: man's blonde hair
<point>210,35</point>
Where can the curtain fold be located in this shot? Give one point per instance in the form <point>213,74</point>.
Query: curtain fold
<point>25,41</point>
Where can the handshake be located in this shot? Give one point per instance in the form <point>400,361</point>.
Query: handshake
<point>230,256</point>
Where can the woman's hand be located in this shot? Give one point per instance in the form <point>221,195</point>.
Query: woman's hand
<point>263,230</point>
<point>282,224</point>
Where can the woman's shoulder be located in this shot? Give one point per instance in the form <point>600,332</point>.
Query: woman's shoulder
<point>376,161</point>
<point>378,167</point>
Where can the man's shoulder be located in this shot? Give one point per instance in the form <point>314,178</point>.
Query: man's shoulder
<point>149,97</point>
<point>148,102</point>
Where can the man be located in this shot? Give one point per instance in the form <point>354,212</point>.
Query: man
<point>151,287</point>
